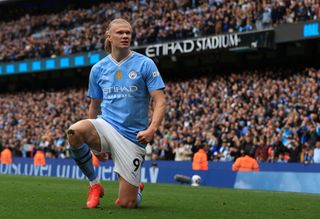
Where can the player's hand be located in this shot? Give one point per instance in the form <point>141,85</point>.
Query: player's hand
<point>144,137</point>
<point>103,156</point>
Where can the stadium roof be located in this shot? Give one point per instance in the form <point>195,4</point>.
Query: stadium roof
<point>10,1</point>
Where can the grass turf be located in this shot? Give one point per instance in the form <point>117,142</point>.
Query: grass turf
<point>45,197</point>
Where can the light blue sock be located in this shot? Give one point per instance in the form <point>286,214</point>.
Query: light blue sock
<point>139,198</point>
<point>83,158</point>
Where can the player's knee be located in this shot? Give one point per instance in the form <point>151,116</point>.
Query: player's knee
<point>74,135</point>
<point>129,203</point>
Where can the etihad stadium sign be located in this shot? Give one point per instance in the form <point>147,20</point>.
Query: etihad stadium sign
<point>226,41</point>
<point>194,45</point>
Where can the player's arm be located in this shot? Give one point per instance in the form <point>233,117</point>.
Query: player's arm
<point>159,107</point>
<point>94,108</point>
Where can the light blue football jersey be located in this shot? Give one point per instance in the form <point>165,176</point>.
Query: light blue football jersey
<point>124,89</point>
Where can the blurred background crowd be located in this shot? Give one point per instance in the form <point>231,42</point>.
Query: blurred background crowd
<point>76,30</point>
<point>272,114</point>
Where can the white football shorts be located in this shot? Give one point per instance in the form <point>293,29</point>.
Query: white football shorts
<point>127,156</point>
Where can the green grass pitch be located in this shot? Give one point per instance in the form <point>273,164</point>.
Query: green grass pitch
<point>45,197</point>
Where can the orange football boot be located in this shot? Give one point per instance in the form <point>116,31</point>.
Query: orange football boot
<point>96,192</point>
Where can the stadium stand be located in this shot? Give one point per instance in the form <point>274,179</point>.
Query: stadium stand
<point>74,30</point>
<point>274,114</point>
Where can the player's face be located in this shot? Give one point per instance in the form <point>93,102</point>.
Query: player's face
<point>120,35</point>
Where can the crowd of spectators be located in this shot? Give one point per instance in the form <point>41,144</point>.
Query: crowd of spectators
<point>32,120</point>
<point>78,30</point>
<point>273,115</point>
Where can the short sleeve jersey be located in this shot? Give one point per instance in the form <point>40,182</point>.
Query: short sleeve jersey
<point>124,88</point>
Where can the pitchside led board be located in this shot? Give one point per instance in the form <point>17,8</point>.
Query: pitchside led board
<point>286,177</point>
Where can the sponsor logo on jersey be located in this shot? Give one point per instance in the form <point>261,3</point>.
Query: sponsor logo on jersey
<point>132,75</point>
<point>119,92</point>
<point>118,89</point>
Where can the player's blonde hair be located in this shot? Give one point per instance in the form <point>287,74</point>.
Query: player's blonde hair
<point>107,43</point>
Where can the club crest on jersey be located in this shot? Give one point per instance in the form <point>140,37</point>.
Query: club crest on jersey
<point>132,75</point>
<point>119,75</point>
